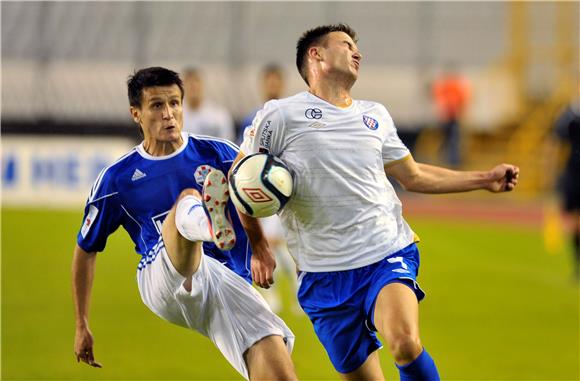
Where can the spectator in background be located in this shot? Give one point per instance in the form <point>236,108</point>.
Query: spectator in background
<point>201,116</point>
<point>272,87</point>
<point>567,130</point>
<point>451,93</point>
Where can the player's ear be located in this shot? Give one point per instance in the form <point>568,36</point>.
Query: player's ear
<point>314,52</point>
<point>135,114</point>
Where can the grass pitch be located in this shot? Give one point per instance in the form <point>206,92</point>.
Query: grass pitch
<point>497,308</point>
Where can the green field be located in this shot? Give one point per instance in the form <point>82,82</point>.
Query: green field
<point>497,308</point>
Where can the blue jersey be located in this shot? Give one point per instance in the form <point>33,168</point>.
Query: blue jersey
<point>138,191</point>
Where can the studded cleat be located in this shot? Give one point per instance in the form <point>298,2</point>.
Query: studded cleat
<point>215,200</point>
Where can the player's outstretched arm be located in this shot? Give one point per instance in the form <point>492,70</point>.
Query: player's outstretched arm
<point>424,178</point>
<point>263,261</point>
<point>83,271</point>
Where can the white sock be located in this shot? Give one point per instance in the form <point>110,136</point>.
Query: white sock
<point>191,220</point>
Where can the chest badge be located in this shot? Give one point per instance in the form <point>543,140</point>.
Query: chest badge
<point>313,113</point>
<point>371,123</point>
<point>201,172</point>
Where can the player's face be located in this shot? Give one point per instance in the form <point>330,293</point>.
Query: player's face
<point>341,55</point>
<point>161,114</point>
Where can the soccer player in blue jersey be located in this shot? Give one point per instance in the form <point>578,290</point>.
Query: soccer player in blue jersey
<point>194,271</point>
<point>356,254</point>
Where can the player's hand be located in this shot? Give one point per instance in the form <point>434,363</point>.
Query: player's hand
<point>84,347</point>
<point>503,178</point>
<point>263,264</point>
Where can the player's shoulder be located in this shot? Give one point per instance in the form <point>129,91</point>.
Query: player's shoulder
<point>296,100</point>
<point>105,184</point>
<point>196,142</point>
<point>372,105</point>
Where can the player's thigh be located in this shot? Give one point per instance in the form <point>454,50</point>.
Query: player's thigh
<point>396,313</point>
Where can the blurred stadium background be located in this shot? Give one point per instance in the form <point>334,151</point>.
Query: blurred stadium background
<point>501,302</point>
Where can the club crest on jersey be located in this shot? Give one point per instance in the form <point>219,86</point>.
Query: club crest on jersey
<point>313,113</point>
<point>201,172</point>
<point>371,123</point>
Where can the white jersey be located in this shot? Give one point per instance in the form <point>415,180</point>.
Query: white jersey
<point>343,212</point>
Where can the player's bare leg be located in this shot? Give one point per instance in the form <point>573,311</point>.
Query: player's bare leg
<point>270,351</point>
<point>370,370</point>
<point>397,320</point>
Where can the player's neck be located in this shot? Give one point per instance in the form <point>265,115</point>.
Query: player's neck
<point>336,95</point>
<point>159,148</point>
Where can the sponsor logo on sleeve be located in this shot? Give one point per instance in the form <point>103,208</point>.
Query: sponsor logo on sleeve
<point>89,219</point>
<point>371,123</point>
<point>266,137</point>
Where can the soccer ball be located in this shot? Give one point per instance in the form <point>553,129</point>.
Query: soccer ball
<point>260,185</point>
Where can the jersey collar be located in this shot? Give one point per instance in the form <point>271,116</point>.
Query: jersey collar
<point>141,149</point>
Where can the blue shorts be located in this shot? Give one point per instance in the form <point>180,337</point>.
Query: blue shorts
<point>340,305</point>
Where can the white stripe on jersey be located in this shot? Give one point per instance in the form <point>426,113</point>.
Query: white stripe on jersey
<point>102,197</point>
<point>102,174</point>
<point>140,228</point>
<point>207,137</point>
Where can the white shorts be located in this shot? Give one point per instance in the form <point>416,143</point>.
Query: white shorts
<point>221,306</point>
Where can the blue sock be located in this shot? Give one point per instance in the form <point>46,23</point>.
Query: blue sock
<point>421,369</point>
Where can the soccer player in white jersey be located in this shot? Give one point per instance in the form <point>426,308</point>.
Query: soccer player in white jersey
<point>356,254</point>
<point>193,271</point>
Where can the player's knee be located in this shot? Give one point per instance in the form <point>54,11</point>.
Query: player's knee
<point>188,192</point>
<point>170,226</point>
<point>272,351</point>
<point>405,347</point>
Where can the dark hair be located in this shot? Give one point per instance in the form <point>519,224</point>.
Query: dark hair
<point>315,36</point>
<point>150,77</point>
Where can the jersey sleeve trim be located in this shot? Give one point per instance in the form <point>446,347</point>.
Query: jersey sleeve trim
<point>404,158</point>
<point>213,138</point>
<point>102,197</point>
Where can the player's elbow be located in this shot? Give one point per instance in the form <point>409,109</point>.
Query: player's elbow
<point>411,182</point>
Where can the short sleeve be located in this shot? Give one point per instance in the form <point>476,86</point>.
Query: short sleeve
<point>266,132</point>
<point>393,148</point>
<point>102,217</point>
